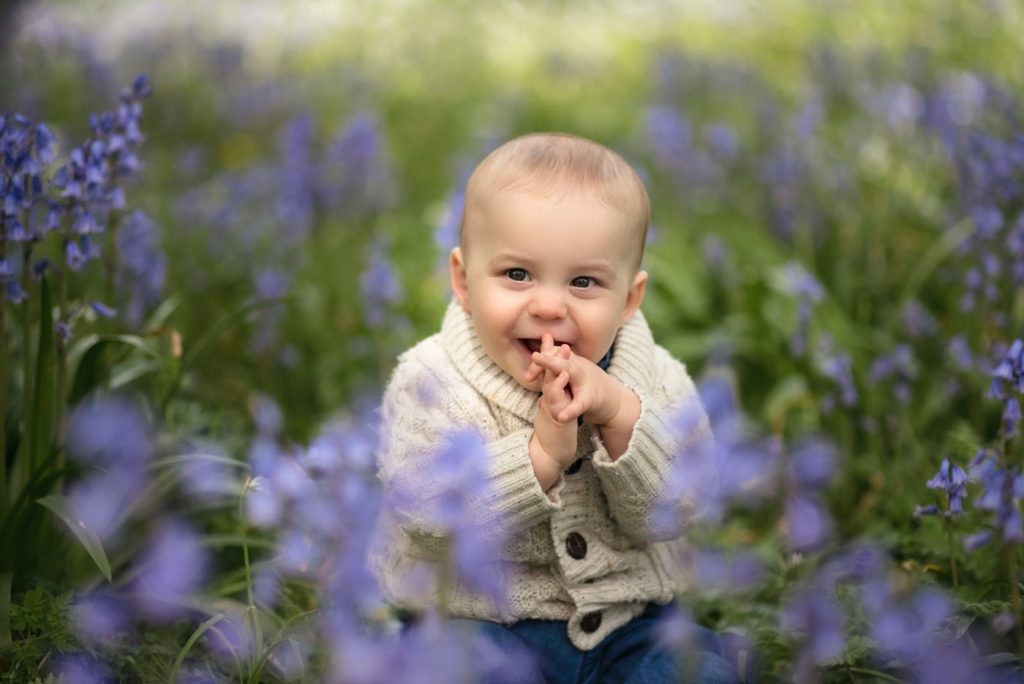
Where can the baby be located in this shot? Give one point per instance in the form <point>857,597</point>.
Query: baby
<point>545,353</point>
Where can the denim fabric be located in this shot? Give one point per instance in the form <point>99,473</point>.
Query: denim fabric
<point>629,655</point>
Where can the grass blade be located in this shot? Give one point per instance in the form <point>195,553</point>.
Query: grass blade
<point>40,422</point>
<point>65,510</point>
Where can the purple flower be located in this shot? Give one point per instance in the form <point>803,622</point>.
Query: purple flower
<point>99,617</point>
<point>142,265</point>
<point>1011,417</point>
<point>951,479</point>
<point>170,571</point>
<point>1008,374</point>
<point>379,284</point>
<point>111,432</point>
<point>104,499</point>
<point>813,615</point>
<point>452,492</point>
<point>806,523</point>
<point>80,668</point>
<point>812,464</point>
<point>103,310</point>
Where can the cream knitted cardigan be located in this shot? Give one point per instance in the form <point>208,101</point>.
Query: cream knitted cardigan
<point>447,382</point>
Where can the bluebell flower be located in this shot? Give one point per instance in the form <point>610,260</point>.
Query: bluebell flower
<point>142,265</point>
<point>1011,417</point>
<point>951,479</point>
<point>102,309</point>
<point>668,131</point>
<point>813,615</point>
<point>110,432</point>
<point>79,668</point>
<point>1008,374</point>
<point>99,617</point>
<point>806,523</point>
<point>379,283</point>
<point>813,464</point>
<point>917,321</point>
<point>170,572</point>
<point>724,141</point>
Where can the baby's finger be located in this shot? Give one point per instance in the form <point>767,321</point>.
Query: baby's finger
<point>565,351</point>
<point>547,342</point>
<point>575,409</point>
<point>533,371</point>
<point>552,363</point>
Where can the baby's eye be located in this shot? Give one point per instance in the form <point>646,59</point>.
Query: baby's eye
<point>517,274</point>
<point>583,281</point>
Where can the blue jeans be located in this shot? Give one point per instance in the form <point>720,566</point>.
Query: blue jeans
<point>628,655</point>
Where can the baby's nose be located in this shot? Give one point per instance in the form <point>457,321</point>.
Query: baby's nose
<point>547,304</point>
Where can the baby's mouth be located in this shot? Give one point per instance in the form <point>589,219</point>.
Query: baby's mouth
<point>533,345</point>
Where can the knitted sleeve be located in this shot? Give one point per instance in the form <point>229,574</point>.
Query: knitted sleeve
<point>672,421</point>
<point>424,405</point>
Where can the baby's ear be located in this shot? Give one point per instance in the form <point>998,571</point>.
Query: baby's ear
<point>460,282</point>
<point>635,295</point>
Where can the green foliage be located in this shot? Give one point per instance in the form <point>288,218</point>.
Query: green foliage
<point>40,628</point>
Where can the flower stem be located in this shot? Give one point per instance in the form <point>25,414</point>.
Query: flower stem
<point>26,339</point>
<point>1015,598</point>
<point>3,401</point>
<point>952,552</point>
<point>62,370</point>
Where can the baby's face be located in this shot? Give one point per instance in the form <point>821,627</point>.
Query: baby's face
<point>535,265</point>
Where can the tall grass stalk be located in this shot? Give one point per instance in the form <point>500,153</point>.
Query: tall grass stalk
<point>26,339</point>
<point>3,400</point>
<point>62,369</point>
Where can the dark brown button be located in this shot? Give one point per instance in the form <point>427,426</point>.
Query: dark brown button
<point>576,545</point>
<point>575,467</point>
<point>591,622</point>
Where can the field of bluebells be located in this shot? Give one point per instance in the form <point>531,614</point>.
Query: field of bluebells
<point>208,270</point>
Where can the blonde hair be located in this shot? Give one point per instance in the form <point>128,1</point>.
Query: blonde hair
<point>547,163</point>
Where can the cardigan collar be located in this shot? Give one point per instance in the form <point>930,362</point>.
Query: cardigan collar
<point>632,363</point>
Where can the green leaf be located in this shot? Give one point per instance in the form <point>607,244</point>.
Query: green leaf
<point>40,422</point>
<point>162,313</point>
<point>66,511</point>
<point>97,357</point>
<point>199,631</point>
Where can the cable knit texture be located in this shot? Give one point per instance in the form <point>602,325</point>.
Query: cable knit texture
<point>448,382</point>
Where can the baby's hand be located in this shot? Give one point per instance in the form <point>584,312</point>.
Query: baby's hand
<point>597,396</point>
<point>554,439</point>
<point>591,392</point>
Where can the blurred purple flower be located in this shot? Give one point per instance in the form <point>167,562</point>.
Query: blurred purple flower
<point>142,265</point>
<point>110,432</point>
<point>98,618</point>
<point>266,414</point>
<point>917,320</point>
<point>669,135</point>
<point>813,615</point>
<point>170,571</point>
<point>104,498</point>
<point>806,523</point>
<point>379,283</point>
<point>207,474</point>
<point>812,464</point>
<point>79,668</point>
<point>355,172</point>
<point>230,639</point>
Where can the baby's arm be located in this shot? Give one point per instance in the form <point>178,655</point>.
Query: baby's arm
<point>553,445</point>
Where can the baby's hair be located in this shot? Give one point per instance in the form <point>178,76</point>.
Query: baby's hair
<point>546,164</point>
